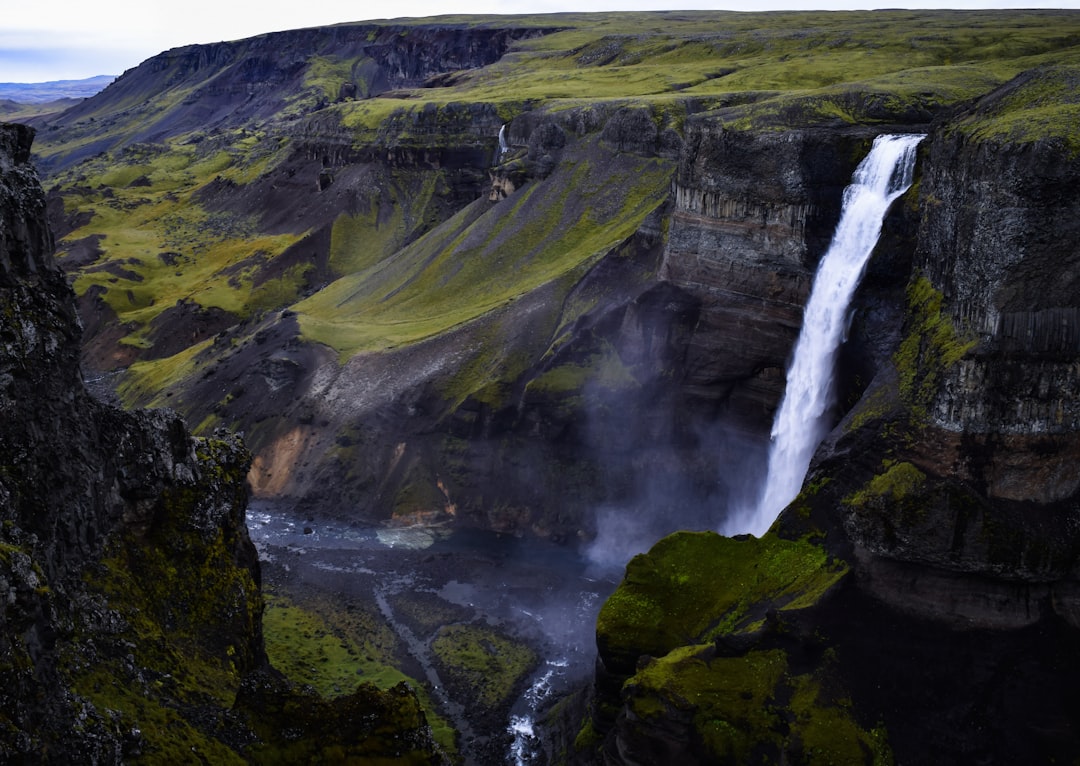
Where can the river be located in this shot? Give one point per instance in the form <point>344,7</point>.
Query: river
<point>535,593</point>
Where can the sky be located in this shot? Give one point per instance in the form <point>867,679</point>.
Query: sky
<point>75,39</point>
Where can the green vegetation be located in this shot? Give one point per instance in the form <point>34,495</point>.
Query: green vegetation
<point>898,481</point>
<point>693,587</point>
<point>167,734</point>
<point>330,652</point>
<point>755,707</point>
<point>635,55</point>
<point>932,345</point>
<point>485,257</point>
<point>159,246</point>
<point>489,665</point>
<point>605,369</point>
<point>696,594</point>
<point>1044,104</point>
<point>182,601</point>
<point>318,644</point>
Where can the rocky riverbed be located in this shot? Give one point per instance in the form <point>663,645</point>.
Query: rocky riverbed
<point>489,628</point>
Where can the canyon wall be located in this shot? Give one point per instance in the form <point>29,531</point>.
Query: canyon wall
<point>754,212</point>
<point>923,584</point>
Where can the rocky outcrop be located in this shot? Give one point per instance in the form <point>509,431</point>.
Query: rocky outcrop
<point>130,605</point>
<point>82,486</point>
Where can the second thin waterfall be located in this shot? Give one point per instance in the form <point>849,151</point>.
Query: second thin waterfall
<point>804,418</point>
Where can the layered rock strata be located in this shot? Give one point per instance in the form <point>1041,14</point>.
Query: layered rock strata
<point>753,215</point>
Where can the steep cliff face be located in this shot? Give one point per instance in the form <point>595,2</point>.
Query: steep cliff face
<point>941,509</point>
<point>754,211</point>
<point>131,606</point>
<point>82,484</point>
<point>1008,278</point>
<point>988,362</point>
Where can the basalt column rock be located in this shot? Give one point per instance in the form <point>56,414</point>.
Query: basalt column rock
<point>973,517</point>
<point>1000,242</point>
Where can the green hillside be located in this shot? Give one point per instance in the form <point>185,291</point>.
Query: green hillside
<point>141,207</point>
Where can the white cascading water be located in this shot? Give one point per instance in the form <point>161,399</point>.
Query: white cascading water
<point>503,146</point>
<point>803,419</point>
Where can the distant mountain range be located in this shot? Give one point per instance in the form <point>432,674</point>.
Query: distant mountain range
<point>44,92</point>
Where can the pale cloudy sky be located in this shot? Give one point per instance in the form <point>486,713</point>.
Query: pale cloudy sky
<point>73,39</point>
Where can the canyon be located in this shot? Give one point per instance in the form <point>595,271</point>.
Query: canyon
<point>541,277</point>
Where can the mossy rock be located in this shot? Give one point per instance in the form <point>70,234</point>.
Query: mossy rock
<point>484,663</point>
<point>369,726</point>
<point>694,587</point>
<point>931,345</point>
<point>754,708</point>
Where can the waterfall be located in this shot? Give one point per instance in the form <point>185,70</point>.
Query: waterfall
<point>803,418</point>
<point>503,146</point>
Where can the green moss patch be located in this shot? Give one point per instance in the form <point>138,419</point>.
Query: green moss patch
<point>693,587</point>
<point>487,665</point>
<point>897,482</point>
<point>754,708</point>
<point>931,345</point>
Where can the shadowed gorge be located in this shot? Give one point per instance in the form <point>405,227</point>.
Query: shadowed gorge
<point>503,306</point>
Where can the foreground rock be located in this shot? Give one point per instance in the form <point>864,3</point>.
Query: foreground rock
<point>131,608</point>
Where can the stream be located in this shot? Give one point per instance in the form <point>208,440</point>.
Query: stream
<point>536,593</point>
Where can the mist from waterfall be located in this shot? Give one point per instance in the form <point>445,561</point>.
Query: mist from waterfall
<point>805,414</point>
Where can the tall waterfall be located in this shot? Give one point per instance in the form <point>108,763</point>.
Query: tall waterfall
<point>503,146</point>
<point>803,418</point>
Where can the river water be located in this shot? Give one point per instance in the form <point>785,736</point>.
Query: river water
<point>544,595</point>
